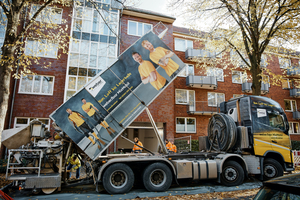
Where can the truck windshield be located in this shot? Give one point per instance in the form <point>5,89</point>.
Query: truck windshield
<point>276,121</point>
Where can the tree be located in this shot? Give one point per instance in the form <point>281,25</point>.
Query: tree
<point>21,19</point>
<point>28,23</point>
<point>247,27</point>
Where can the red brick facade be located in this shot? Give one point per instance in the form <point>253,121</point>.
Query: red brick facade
<point>164,108</point>
<point>41,106</point>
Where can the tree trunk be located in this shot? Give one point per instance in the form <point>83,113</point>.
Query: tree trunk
<point>7,63</point>
<point>256,79</point>
<point>4,94</point>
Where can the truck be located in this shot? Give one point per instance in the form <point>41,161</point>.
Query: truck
<point>249,135</point>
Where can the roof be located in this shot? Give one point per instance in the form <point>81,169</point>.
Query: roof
<point>187,31</point>
<point>138,12</point>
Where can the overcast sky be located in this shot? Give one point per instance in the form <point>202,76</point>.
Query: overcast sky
<point>159,6</point>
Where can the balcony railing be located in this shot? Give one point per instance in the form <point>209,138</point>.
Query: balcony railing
<point>246,87</point>
<point>202,108</point>
<point>296,115</point>
<point>293,71</point>
<point>295,93</point>
<point>191,54</point>
<point>205,82</point>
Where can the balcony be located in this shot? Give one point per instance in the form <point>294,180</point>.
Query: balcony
<point>204,82</point>
<point>192,54</point>
<point>296,115</point>
<point>295,93</point>
<point>293,71</point>
<point>246,88</point>
<point>201,108</point>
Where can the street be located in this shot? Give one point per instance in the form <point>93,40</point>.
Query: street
<point>202,190</point>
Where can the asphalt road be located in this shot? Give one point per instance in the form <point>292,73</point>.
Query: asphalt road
<point>88,191</point>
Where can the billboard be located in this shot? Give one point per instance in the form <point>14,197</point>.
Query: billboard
<point>98,113</point>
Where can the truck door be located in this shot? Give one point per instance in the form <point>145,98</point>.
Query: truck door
<point>280,140</point>
<point>261,131</point>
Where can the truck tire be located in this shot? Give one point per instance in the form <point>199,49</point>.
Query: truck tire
<point>157,177</point>
<point>232,174</point>
<point>272,169</point>
<point>118,178</point>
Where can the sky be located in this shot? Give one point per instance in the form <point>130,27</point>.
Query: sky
<point>159,6</point>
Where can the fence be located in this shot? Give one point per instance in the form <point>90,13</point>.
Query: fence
<point>296,158</point>
<point>183,144</point>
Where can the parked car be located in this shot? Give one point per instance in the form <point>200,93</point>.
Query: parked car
<point>281,188</point>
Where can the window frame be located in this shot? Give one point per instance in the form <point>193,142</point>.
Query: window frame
<point>268,82</point>
<point>185,124</point>
<point>36,53</point>
<point>28,120</point>
<point>237,95</point>
<point>281,66</point>
<point>187,94</point>
<point>292,127</point>
<point>137,30</point>
<point>40,19</point>
<point>214,72</point>
<point>185,42</point>
<point>241,77</point>
<point>291,104</point>
<point>215,103</point>
<point>264,61</point>
<point>288,83</point>
<point>32,86</point>
<point>186,71</point>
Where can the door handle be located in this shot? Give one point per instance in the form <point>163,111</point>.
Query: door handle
<point>274,141</point>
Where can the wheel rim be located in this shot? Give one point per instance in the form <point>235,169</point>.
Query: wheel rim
<point>158,177</point>
<point>118,179</point>
<point>270,171</point>
<point>230,174</point>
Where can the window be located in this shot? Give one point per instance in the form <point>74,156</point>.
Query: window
<point>185,125</point>
<point>263,61</point>
<point>214,99</point>
<point>41,48</point>
<point>184,96</point>
<point>237,95</point>
<point>35,84</point>
<point>48,14</point>
<point>187,71</point>
<point>2,29</point>
<point>265,79</point>
<point>294,127</point>
<point>183,45</point>
<point>239,77</point>
<point>290,105</point>
<point>138,28</point>
<point>217,72</point>
<point>276,121</point>
<point>236,59</point>
<point>284,62</point>
<point>93,46</point>
<point>22,121</point>
<point>217,53</point>
<point>285,83</point>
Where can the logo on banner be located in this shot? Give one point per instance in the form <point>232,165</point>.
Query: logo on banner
<point>95,86</point>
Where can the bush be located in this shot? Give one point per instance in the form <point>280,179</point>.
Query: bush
<point>295,145</point>
<point>195,145</point>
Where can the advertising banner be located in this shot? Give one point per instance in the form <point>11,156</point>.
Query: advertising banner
<point>97,114</point>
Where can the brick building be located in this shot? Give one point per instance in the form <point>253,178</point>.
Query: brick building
<point>185,106</point>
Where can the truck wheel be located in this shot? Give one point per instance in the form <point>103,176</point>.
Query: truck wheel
<point>272,169</point>
<point>157,177</point>
<point>118,178</point>
<point>232,174</point>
